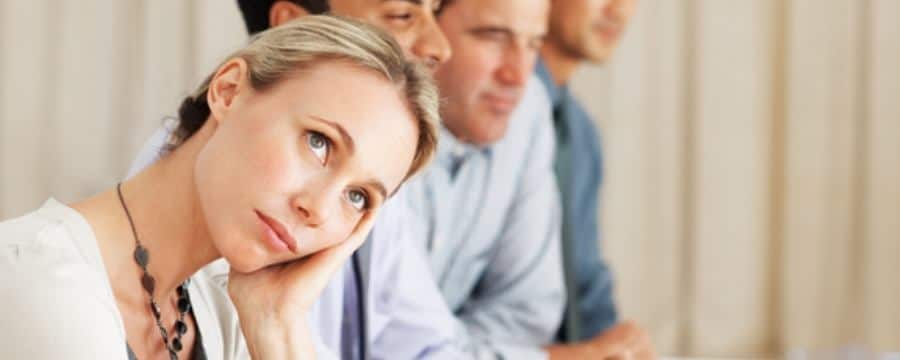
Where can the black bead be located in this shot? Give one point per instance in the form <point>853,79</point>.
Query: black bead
<point>141,256</point>
<point>183,305</point>
<point>149,283</point>
<point>180,290</point>
<point>180,327</point>
<point>176,344</point>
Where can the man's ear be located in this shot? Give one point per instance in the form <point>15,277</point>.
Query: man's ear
<point>284,11</point>
<point>225,86</point>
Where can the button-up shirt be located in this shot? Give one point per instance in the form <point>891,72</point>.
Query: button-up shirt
<point>490,224</point>
<point>590,308</point>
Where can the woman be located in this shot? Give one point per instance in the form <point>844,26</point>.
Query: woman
<point>279,164</point>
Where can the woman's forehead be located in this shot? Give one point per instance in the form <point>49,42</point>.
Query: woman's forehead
<point>365,107</point>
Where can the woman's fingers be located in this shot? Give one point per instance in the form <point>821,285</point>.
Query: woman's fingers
<point>314,271</point>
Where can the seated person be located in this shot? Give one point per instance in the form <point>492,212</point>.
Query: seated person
<point>585,31</point>
<point>375,305</point>
<point>271,168</point>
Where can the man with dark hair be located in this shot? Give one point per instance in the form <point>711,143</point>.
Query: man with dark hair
<point>585,31</point>
<point>256,13</point>
<point>411,22</point>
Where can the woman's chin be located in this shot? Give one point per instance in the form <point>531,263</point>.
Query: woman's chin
<point>245,264</point>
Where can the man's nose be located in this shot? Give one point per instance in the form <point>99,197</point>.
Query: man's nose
<point>432,47</point>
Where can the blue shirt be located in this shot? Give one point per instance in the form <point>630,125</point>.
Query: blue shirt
<point>490,224</point>
<point>590,308</point>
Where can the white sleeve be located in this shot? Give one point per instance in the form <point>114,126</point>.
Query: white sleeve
<point>49,315</point>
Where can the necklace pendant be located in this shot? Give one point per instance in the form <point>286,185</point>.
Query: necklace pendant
<point>180,327</point>
<point>149,283</point>
<point>183,305</point>
<point>141,256</point>
<point>176,344</point>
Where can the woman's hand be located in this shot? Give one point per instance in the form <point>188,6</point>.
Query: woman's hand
<point>273,303</point>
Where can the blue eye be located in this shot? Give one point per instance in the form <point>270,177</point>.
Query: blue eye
<point>319,145</point>
<point>358,199</point>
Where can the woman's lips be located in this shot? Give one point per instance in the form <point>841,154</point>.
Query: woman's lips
<point>276,232</point>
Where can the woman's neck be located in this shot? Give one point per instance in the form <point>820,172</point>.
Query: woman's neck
<point>168,221</point>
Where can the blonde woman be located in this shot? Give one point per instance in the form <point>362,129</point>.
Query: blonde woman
<point>280,162</point>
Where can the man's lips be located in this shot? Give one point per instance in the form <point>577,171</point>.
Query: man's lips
<point>501,103</point>
<point>279,230</point>
<point>609,31</point>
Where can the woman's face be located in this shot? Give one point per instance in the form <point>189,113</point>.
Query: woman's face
<point>292,169</point>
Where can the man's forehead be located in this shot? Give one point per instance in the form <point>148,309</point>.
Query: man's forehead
<point>523,17</point>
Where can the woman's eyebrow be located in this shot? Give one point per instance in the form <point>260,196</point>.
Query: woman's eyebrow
<point>345,136</point>
<point>351,147</point>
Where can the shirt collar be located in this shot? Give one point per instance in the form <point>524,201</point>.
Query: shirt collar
<point>451,151</point>
<point>557,93</point>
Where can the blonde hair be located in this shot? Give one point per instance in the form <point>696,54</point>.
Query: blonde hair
<point>279,52</point>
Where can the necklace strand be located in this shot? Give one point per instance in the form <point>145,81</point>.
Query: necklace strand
<point>142,258</point>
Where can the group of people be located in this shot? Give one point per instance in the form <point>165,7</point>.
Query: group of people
<point>385,179</point>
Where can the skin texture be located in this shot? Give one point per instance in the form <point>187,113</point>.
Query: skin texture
<point>411,23</point>
<point>270,154</point>
<point>259,152</point>
<point>584,30</point>
<point>495,45</point>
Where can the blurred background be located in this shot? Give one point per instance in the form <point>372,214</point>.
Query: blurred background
<point>752,197</point>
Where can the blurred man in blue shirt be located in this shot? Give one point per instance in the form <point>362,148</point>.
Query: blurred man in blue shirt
<point>489,201</point>
<point>584,31</point>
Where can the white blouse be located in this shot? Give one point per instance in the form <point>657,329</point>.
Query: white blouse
<point>56,301</point>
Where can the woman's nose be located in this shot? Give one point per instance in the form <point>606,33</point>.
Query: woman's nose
<point>313,206</point>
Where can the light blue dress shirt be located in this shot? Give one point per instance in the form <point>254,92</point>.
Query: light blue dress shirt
<point>491,228</point>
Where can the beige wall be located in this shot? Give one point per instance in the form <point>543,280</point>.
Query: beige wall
<point>752,195</point>
<point>84,83</point>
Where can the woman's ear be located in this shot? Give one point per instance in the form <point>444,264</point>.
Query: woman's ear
<point>225,86</point>
<point>284,11</point>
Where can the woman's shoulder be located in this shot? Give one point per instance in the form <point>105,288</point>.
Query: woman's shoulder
<point>24,229</point>
<point>37,227</point>
<point>47,241</point>
<point>52,300</point>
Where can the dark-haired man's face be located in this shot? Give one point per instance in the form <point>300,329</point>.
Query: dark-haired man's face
<point>411,22</point>
<point>589,29</point>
